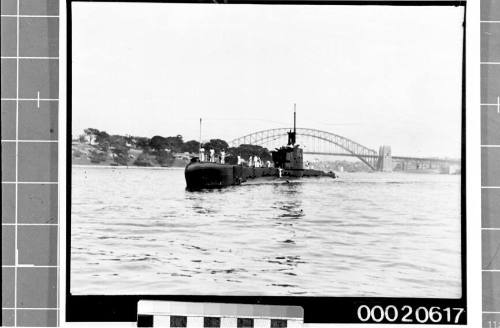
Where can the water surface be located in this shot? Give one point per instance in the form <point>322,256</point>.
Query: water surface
<point>138,231</point>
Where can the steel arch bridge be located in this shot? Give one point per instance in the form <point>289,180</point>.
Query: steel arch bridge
<point>316,141</point>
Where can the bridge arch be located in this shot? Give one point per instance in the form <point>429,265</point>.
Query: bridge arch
<point>365,154</point>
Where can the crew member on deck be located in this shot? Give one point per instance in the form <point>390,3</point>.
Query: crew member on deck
<point>202,154</point>
<point>256,161</point>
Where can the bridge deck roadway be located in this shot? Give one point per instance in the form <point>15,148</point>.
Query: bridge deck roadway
<point>403,158</point>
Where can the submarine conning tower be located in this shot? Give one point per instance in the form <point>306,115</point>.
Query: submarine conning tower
<point>289,157</point>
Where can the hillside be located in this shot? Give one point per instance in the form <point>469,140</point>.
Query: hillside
<point>86,154</point>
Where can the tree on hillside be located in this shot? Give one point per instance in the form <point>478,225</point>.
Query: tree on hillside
<point>158,143</point>
<point>143,143</point>
<point>216,144</point>
<point>120,155</point>
<point>245,151</point>
<point>129,140</point>
<point>102,136</point>
<point>91,133</point>
<point>191,146</point>
<point>119,149</point>
<point>117,141</point>
<point>174,143</point>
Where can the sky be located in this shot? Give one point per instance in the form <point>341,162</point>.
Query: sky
<point>374,74</point>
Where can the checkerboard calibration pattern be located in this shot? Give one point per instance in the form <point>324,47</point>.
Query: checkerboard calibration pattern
<point>217,315</point>
<point>29,91</point>
<point>490,158</point>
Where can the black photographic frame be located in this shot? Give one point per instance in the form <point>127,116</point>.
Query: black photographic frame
<point>123,308</point>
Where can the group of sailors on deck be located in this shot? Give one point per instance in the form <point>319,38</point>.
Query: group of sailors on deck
<point>212,157</point>
<point>253,161</point>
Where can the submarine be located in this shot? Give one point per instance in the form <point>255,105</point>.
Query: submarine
<point>287,162</point>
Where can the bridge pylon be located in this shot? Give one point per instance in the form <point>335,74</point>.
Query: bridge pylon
<point>384,162</point>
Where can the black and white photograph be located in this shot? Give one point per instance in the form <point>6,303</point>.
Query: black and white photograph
<point>266,150</point>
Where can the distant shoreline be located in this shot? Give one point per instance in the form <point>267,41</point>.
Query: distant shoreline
<point>130,167</point>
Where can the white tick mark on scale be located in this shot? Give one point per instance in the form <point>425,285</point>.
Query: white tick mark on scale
<point>38,99</point>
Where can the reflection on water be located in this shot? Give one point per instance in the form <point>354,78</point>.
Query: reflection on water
<point>138,231</point>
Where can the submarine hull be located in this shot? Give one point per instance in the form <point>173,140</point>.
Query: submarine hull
<point>206,175</point>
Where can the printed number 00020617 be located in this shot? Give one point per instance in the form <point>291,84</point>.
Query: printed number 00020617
<point>406,314</point>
